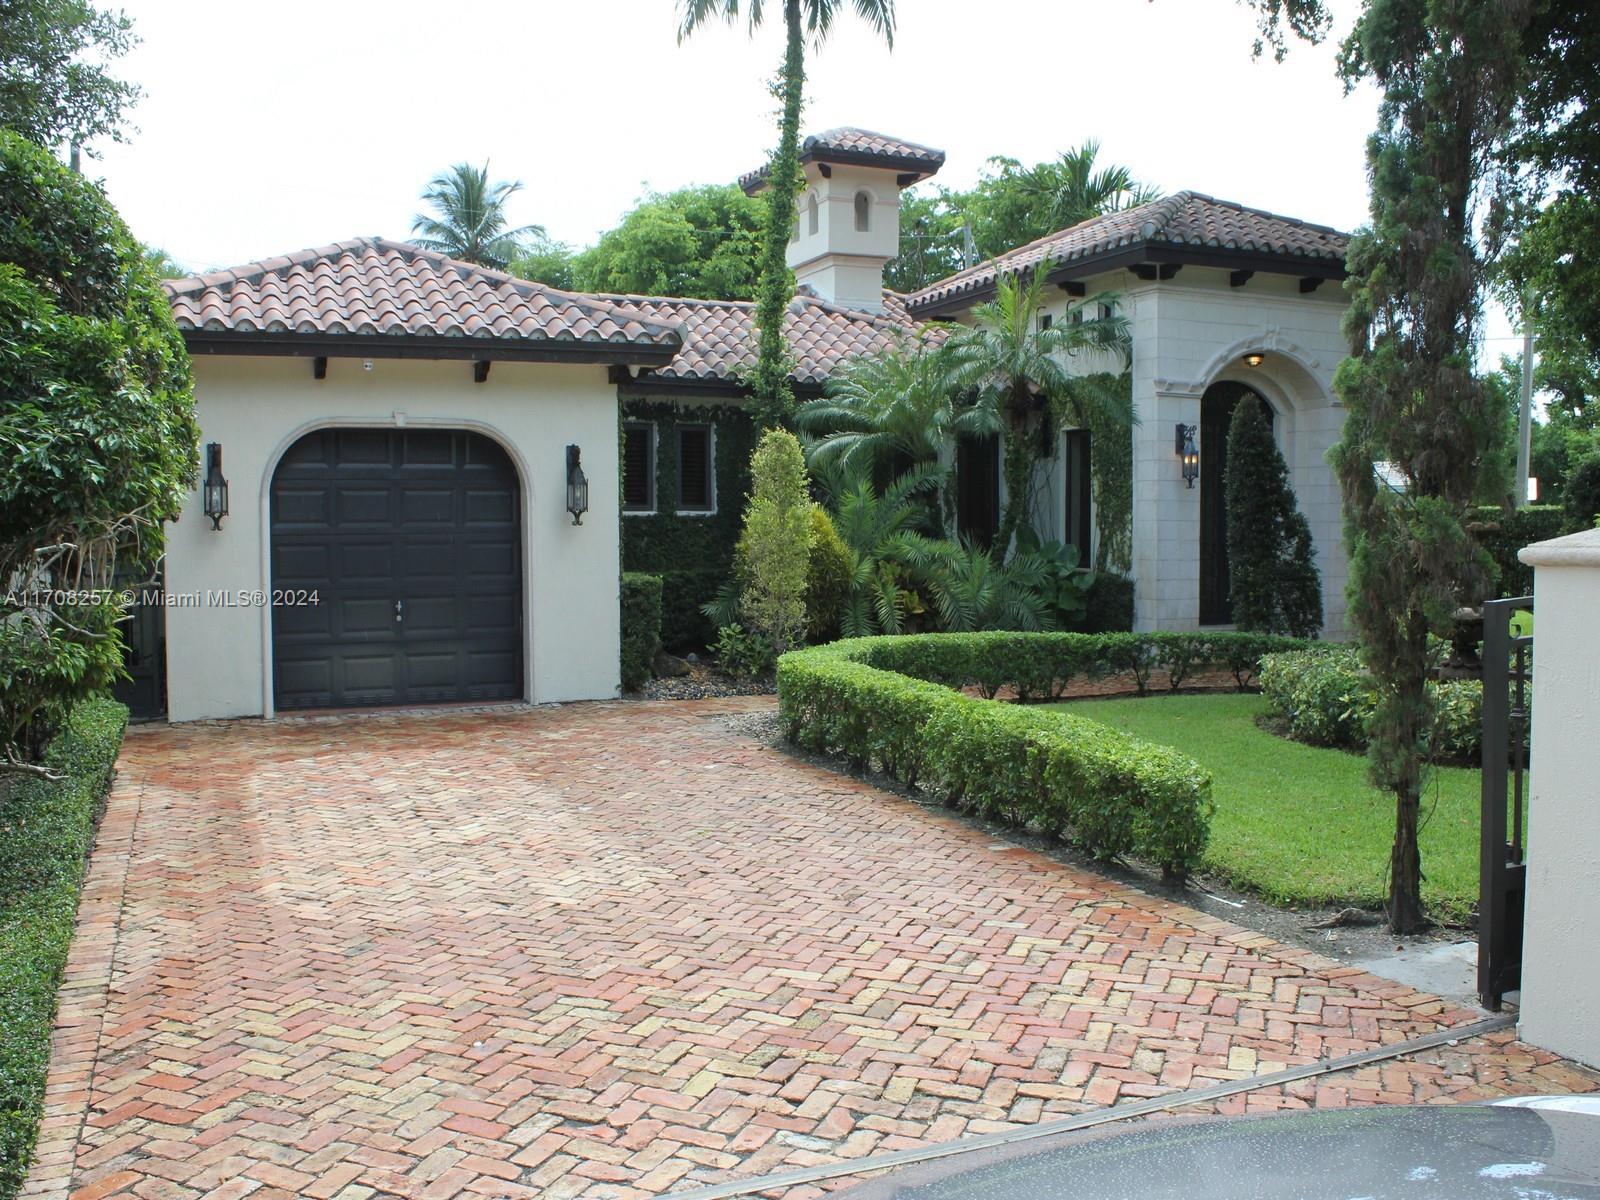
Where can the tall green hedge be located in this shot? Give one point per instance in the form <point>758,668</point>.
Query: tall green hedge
<point>641,627</point>
<point>46,829</point>
<point>891,702</point>
<point>1502,532</point>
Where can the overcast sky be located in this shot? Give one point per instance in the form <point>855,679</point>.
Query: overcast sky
<point>268,127</point>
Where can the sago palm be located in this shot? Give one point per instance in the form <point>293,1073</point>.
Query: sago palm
<point>1016,367</point>
<point>886,550</point>
<point>469,217</point>
<point>802,19</point>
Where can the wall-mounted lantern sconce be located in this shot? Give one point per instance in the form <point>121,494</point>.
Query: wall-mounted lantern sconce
<point>1188,453</point>
<point>1254,358</point>
<point>215,489</point>
<point>577,487</point>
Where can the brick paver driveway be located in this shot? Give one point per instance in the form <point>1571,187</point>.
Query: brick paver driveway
<point>608,950</point>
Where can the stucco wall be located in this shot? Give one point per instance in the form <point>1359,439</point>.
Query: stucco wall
<point>1188,333</point>
<point>1560,970</point>
<point>1192,332</point>
<point>218,657</point>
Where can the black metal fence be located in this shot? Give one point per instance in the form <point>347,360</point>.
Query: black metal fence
<point>1507,679</point>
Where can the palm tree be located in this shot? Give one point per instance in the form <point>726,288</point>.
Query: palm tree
<point>1016,366</point>
<point>469,220</point>
<point>885,411</point>
<point>1072,190</point>
<point>801,19</point>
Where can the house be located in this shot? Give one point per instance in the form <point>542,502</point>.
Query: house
<point>416,468</point>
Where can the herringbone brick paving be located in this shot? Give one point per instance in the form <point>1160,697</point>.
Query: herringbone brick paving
<point>609,950</point>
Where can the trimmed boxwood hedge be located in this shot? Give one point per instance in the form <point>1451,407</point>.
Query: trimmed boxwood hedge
<point>893,703</point>
<point>46,829</point>
<point>1326,697</point>
<point>641,627</point>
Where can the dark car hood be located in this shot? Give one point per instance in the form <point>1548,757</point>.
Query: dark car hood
<point>1457,1152</point>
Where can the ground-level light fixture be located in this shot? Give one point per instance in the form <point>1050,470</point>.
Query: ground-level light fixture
<point>1254,358</point>
<point>577,487</point>
<point>1188,453</point>
<point>214,492</point>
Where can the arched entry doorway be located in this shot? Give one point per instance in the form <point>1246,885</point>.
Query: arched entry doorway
<point>1216,411</point>
<point>410,542</point>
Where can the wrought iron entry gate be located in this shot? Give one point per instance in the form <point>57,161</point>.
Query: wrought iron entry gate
<point>1507,676</point>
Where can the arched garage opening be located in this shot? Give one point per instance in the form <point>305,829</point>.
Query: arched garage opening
<point>410,542</point>
<point>1216,412</point>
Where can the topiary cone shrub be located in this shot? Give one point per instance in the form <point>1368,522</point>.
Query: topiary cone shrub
<point>1271,559</point>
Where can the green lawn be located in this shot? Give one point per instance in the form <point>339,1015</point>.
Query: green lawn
<point>1299,824</point>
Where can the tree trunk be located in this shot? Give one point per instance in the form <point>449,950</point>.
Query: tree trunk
<point>1406,914</point>
<point>773,399</point>
<point>1411,718</point>
<point>1018,474</point>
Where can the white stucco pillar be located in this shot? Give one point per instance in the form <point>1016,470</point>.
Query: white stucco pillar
<point>1560,969</point>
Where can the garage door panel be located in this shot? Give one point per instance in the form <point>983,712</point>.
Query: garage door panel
<point>306,507</point>
<point>431,505</point>
<point>488,613</point>
<point>360,448</point>
<point>311,678</point>
<point>368,518</point>
<point>430,448</point>
<point>481,559</point>
<point>365,617</point>
<point>302,622</point>
<point>298,561</point>
<point>432,617</point>
<point>490,507</point>
<point>355,506</point>
<point>486,670</point>
<point>434,669</point>
<point>424,562</point>
<point>364,564</point>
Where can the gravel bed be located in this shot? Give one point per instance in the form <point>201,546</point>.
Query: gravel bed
<point>702,683</point>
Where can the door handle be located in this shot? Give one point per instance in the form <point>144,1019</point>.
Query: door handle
<point>399,610</point>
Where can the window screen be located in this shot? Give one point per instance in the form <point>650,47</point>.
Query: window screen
<point>638,467</point>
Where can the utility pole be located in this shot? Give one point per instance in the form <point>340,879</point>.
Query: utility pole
<point>1525,417</point>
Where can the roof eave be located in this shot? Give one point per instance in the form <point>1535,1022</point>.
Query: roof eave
<point>1265,261</point>
<point>907,170</point>
<point>248,343</point>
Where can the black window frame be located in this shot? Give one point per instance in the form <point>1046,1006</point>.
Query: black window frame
<point>649,430</point>
<point>709,430</point>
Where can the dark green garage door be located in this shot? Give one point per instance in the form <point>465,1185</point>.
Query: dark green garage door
<point>410,542</point>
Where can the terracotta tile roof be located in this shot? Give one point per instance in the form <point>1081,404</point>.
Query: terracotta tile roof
<point>719,335</point>
<point>1184,219</point>
<point>380,288</point>
<point>848,144</point>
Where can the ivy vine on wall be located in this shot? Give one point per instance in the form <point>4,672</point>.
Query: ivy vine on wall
<point>691,553</point>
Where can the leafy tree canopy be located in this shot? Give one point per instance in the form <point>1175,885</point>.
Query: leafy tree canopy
<point>543,260</point>
<point>703,242</point>
<point>55,83</point>
<point>97,436</point>
<point>1011,204</point>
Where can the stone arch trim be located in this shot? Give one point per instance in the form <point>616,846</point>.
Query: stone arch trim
<point>398,421</point>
